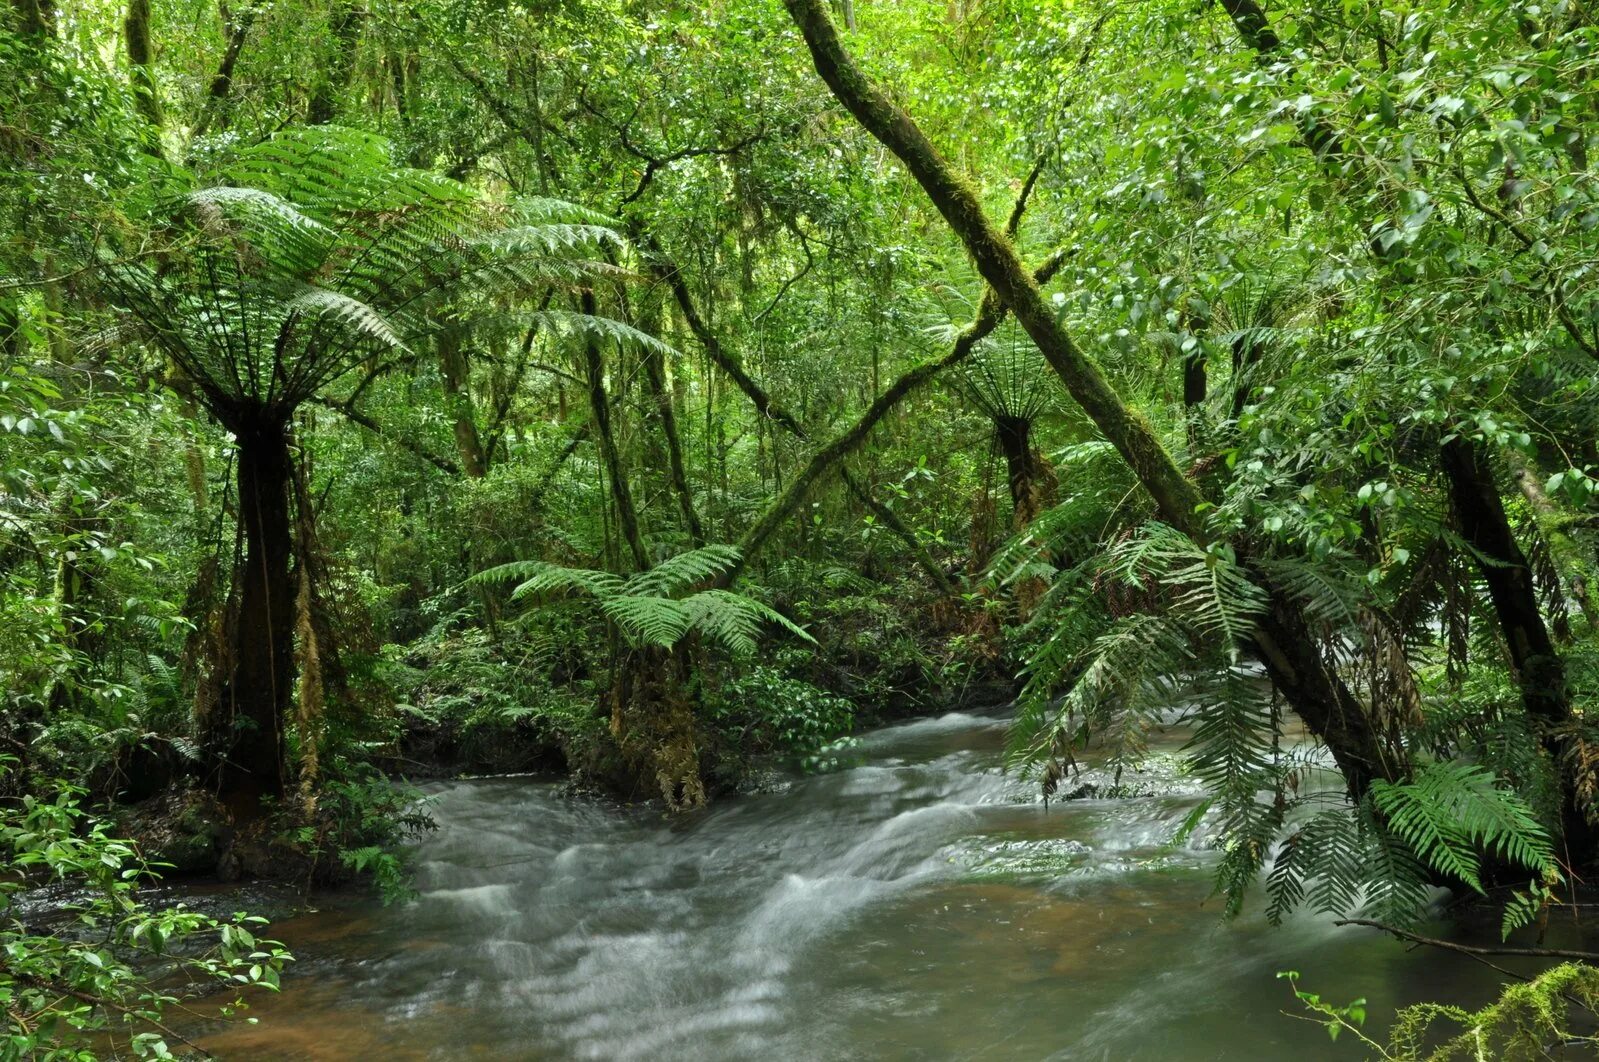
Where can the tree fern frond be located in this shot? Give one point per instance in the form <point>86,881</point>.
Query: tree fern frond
<point>541,577</point>
<point>360,320</point>
<point>648,620</point>
<point>546,239</point>
<point>601,329</point>
<point>1128,669</point>
<point>1449,812</point>
<point>681,572</point>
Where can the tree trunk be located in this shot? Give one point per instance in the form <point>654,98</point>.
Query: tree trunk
<point>258,694</point>
<point>1539,671</point>
<point>666,415</point>
<point>1313,690</point>
<point>236,30</point>
<point>1029,478</point>
<point>136,37</point>
<point>1247,353</point>
<point>345,25</point>
<point>600,412</point>
<point>1568,556</point>
<point>34,18</point>
<point>456,376</point>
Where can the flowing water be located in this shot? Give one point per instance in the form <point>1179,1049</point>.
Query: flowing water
<point>918,904</point>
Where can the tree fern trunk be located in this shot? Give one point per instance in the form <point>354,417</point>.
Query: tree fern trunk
<point>247,726</point>
<point>1028,476</point>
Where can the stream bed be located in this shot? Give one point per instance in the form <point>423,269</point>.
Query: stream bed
<point>917,903</point>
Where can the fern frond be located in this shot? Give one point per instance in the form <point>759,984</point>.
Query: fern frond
<point>541,577</point>
<point>600,329</point>
<point>1450,812</point>
<point>681,572</point>
<point>648,620</point>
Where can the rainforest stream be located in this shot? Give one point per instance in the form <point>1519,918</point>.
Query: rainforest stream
<point>915,903</point>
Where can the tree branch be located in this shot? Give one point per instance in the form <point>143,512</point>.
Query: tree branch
<point>1470,949</point>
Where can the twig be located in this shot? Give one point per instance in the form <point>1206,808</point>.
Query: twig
<point>1471,949</point>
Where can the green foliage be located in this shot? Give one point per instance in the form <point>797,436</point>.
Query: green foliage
<point>300,263</point>
<point>1381,857</point>
<point>786,716</point>
<point>1545,1017</point>
<point>1448,813</point>
<point>100,968</point>
<point>659,606</point>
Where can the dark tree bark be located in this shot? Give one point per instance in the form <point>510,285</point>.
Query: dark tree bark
<point>256,699</point>
<point>217,96</point>
<point>1029,478</point>
<point>666,415</point>
<point>34,18</point>
<point>1485,527</point>
<point>1326,706</point>
<point>1247,353</point>
<point>1539,671</point>
<point>1195,382</point>
<point>136,37</point>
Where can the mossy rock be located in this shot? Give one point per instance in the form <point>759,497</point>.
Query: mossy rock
<point>185,829</point>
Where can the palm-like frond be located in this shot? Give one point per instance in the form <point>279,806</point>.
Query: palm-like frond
<point>681,572</point>
<point>656,607</point>
<point>647,619</point>
<point>1006,376</point>
<point>735,620</point>
<point>1449,812</point>
<point>541,577</point>
<point>314,253</point>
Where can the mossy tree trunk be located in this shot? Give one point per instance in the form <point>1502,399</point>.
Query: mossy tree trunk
<point>1292,656</point>
<point>1539,671</point>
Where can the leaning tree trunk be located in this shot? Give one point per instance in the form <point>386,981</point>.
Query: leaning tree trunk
<point>256,698</point>
<point>1297,669</point>
<point>1539,671</point>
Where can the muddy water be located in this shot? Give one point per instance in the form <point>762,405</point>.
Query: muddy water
<point>918,904</point>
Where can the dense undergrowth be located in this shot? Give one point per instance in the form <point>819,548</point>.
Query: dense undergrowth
<point>391,391</point>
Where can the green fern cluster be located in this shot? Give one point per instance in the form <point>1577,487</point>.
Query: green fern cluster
<point>313,253</point>
<point>659,606</point>
<point>1383,856</point>
<point>1200,609</point>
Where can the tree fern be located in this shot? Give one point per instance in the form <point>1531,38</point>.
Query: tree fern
<point>659,606</point>
<point>1123,678</point>
<point>678,573</point>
